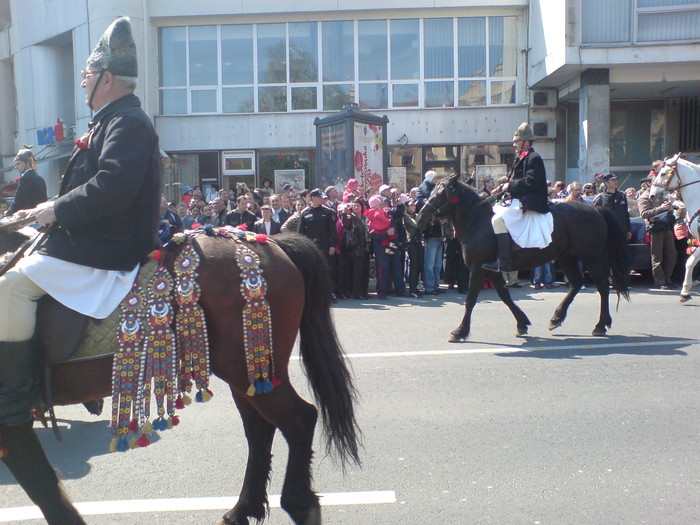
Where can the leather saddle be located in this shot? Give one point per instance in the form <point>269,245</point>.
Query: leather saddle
<point>60,330</point>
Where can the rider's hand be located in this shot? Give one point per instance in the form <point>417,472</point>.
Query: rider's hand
<point>331,251</point>
<point>44,213</point>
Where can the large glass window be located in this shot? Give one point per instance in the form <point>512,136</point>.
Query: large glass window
<point>338,51</point>
<point>405,49</point>
<point>203,56</point>
<point>372,51</point>
<point>272,54</point>
<point>311,66</point>
<point>237,54</point>
<point>438,48</point>
<point>303,52</point>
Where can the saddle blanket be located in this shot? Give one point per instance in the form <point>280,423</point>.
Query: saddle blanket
<point>529,229</point>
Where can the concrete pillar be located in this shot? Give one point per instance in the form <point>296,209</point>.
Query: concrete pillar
<point>594,124</point>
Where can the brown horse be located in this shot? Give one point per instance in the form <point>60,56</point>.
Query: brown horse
<point>299,294</point>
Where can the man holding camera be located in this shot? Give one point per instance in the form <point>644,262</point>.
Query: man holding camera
<point>659,221</point>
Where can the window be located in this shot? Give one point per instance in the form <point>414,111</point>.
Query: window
<point>310,66</point>
<point>238,162</point>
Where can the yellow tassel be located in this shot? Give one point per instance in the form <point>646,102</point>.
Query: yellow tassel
<point>113,445</point>
<point>186,400</point>
<point>206,396</point>
<point>133,443</point>
<point>148,427</point>
<point>170,424</point>
<point>250,392</point>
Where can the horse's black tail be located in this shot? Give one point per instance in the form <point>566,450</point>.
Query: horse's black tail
<point>321,353</point>
<point>618,254</point>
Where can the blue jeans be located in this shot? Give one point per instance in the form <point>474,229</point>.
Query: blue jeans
<point>432,264</point>
<point>537,274</point>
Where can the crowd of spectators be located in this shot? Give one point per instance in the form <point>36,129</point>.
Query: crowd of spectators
<point>359,232</point>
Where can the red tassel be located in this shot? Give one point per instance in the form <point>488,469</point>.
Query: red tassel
<point>133,425</point>
<point>143,441</point>
<point>261,238</point>
<point>175,420</point>
<point>179,404</point>
<point>275,381</point>
<point>242,226</point>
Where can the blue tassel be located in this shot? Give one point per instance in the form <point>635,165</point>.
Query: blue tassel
<point>160,424</point>
<point>266,386</point>
<point>209,230</point>
<point>123,444</point>
<point>198,396</point>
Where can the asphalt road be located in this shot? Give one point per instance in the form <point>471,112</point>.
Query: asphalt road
<point>555,428</point>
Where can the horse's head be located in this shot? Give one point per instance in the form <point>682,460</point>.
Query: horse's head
<point>667,179</point>
<point>441,202</point>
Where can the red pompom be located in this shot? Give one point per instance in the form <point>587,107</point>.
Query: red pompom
<point>179,404</point>
<point>175,420</point>
<point>261,238</point>
<point>196,225</point>
<point>454,200</point>
<point>275,381</point>
<point>156,255</point>
<point>143,441</point>
<point>16,179</point>
<point>243,227</point>
<point>133,425</point>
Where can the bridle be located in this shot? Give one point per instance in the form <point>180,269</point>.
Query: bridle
<point>673,174</point>
<point>442,210</point>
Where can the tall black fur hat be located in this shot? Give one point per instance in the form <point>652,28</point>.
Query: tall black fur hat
<point>116,50</point>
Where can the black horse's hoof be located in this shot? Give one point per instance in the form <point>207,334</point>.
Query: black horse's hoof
<point>456,337</point>
<point>599,332</point>
<point>554,324</point>
<point>684,298</point>
<point>520,331</point>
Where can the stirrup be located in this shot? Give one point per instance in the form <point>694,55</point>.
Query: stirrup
<point>499,265</point>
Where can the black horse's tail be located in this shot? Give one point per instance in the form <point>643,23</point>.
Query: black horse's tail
<point>618,254</point>
<point>321,353</point>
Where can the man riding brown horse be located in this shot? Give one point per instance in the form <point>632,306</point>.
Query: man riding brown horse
<point>102,225</point>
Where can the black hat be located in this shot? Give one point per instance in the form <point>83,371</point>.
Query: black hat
<point>24,154</point>
<point>609,176</point>
<point>316,192</point>
<point>116,50</point>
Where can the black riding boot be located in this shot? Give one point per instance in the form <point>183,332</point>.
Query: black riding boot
<point>502,263</point>
<point>19,386</point>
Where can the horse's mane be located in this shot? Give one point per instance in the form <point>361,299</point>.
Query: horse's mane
<point>470,209</point>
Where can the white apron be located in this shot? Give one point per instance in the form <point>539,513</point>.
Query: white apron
<point>529,229</point>
<point>89,291</point>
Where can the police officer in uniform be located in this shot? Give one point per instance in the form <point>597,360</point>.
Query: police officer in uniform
<point>318,223</point>
<point>615,201</point>
<point>527,187</point>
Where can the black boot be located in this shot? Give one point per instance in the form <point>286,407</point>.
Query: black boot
<point>502,263</point>
<point>19,386</point>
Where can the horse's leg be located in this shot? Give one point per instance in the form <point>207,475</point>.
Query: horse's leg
<point>476,281</point>
<point>573,274</point>
<point>296,419</point>
<point>521,320</point>
<point>600,273</point>
<point>688,280</point>
<point>28,463</point>
<point>252,501</point>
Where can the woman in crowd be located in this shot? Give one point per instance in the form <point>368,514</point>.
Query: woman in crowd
<point>354,251</point>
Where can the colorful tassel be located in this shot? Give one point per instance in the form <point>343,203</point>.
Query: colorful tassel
<point>276,382</point>
<point>186,400</point>
<point>175,420</point>
<point>179,404</point>
<point>113,445</point>
<point>148,427</point>
<point>133,442</point>
<point>207,395</point>
<point>143,441</point>
<point>122,444</point>
<point>133,426</point>
<point>251,391</point>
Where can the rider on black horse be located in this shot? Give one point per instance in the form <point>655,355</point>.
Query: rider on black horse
<point>527,187</point>
<point>104,222</point>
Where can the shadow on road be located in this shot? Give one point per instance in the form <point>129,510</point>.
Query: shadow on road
<point>578,347</point>
<point>81,441</point>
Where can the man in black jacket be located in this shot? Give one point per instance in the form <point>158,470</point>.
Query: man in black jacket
<point>32,188</point>
<point>527,187</point>
<point>241,217</point>
<point>105,220</point>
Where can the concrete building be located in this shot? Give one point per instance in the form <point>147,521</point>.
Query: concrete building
<point>234,88</point>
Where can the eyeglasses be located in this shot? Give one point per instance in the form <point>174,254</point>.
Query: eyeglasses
<point>87,73</point>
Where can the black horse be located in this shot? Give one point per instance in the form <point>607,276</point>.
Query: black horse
<point>581,233</point>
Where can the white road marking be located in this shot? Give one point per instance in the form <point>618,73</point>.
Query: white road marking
<point>517,349</point>
<point>95,508</point>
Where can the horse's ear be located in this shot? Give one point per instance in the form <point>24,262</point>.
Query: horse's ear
<point>672,161</point>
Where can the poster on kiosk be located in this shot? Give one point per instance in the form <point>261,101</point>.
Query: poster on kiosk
<point>351,144</point>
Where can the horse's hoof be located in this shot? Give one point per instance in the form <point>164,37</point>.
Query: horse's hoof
<point>520,331</point>
<point>457,338</point>
<point>599,332</point>
<point>685,298</point>
<point>554,324</point>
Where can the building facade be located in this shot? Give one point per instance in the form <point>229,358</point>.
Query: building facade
<point>235,88</point>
